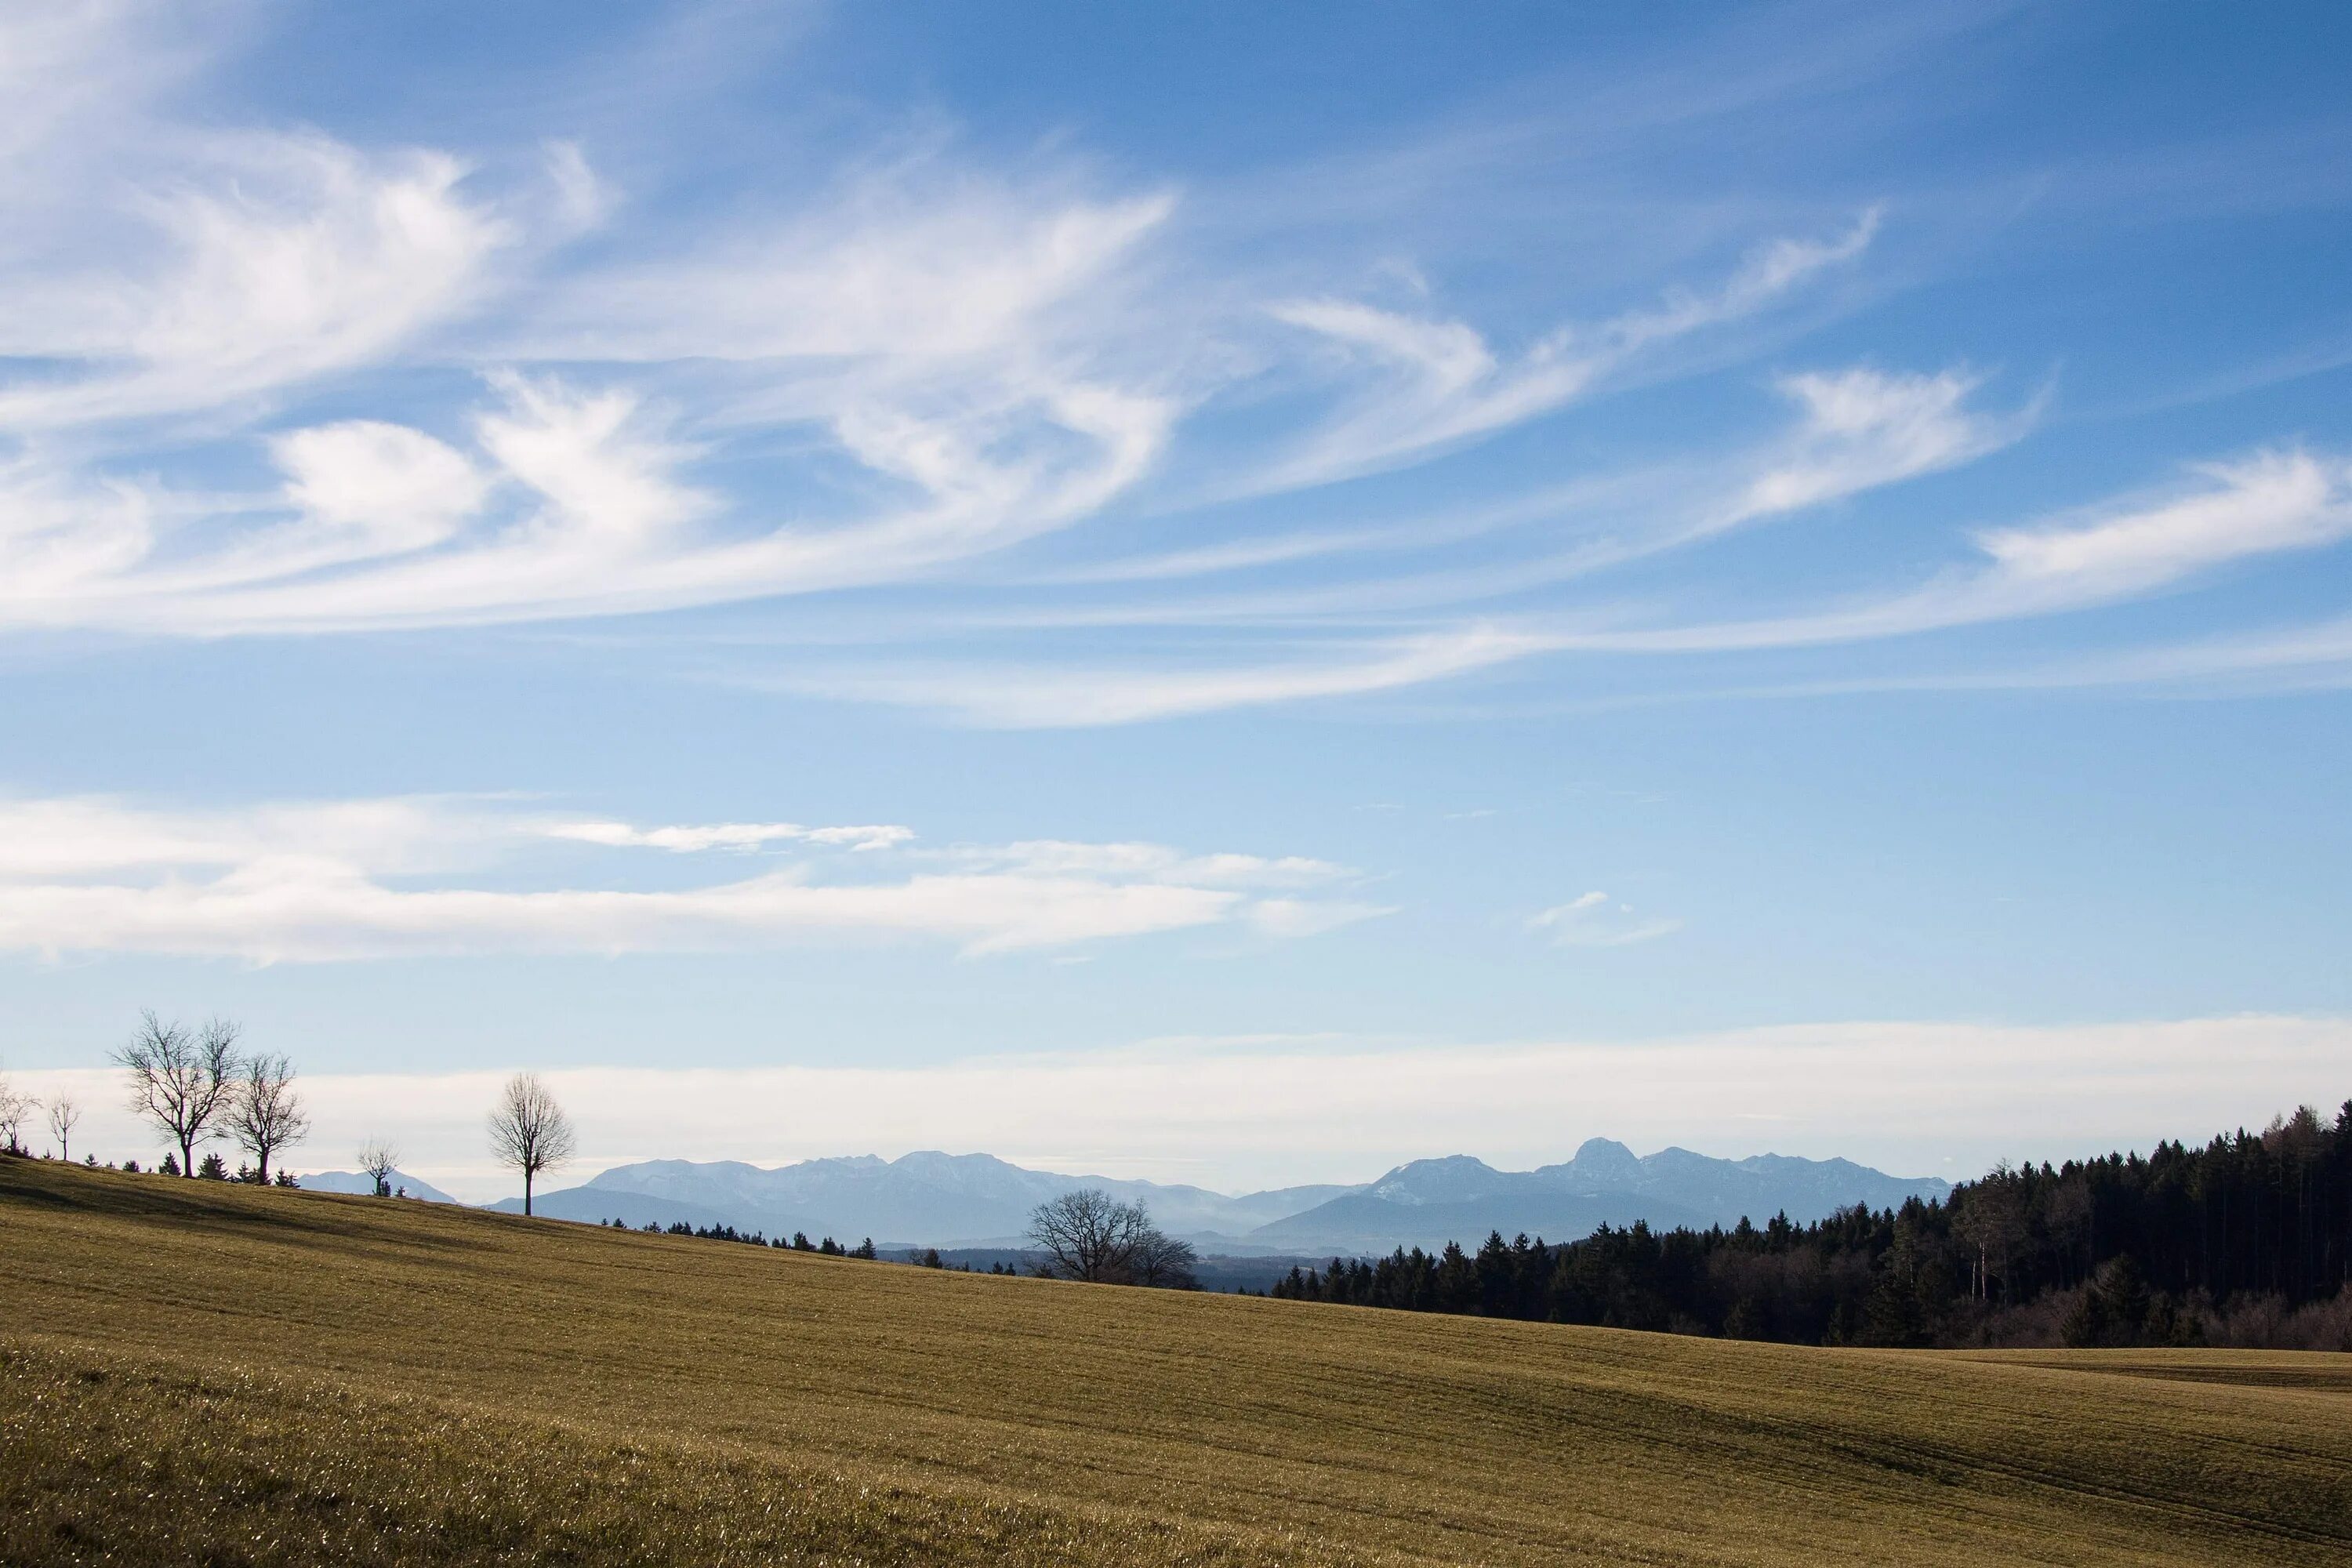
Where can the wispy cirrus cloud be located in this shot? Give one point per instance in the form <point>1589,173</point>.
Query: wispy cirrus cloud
<point>390,527</point>
<point>2265,503</point>
<point>279,260</point>
<point>349,880</point>
<point>1596,919</point>
<point>1442,384</point>
<point>2268,502</point>
<point>737,836</point>
<point>916,264</point>
<point>1045,698</point>
<point>1863,429</point>
<point>984,393</point>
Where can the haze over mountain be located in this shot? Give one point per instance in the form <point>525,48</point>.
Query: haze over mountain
<point>936,1199</point>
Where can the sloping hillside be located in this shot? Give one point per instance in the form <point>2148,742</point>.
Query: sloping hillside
<point>193,1372</point>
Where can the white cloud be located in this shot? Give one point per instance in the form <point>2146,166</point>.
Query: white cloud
<point>1859,429</point>
<point>1916,1098</point>
<point>1863,429</point>
<point>604,475</point>
<point>1768,272</point>
<point>583,198</point>
<point>1157,862</point>
<point>384,488</point>
<point>737,836</point>
<point>2272,502</point>
<point>1595,920</point>
<point>2269,503</point>
<point>276,258</point>
<point>91,836</point>
<point>920,265</point>
<point>313,883</point>
<point>1048,699</point>
<point>604,523</point>
<point>1445,384</point>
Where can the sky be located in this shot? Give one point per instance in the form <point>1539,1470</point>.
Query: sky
<point>1235,596</point>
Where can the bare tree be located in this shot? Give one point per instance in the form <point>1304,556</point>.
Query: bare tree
<point>1164,1262</point>
<point>528,1130</point>
<point>63,1116</point>
<point>2073,1218</point>
<point>181,1082</point>
<point>1088,1235</point>
<point>14,1107</point>
<point>377,1158</point>
<point>265,1114</point>
<point>1992,1221</point>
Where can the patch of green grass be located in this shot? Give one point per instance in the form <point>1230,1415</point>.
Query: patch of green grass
<point>197,1373</point>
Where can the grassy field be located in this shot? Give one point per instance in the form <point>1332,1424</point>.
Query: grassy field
<point>206,1373</point>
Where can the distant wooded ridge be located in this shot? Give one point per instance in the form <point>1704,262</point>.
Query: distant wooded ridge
<point>2246,1241</point>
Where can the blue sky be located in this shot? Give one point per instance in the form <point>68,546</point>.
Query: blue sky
<point>1240,595</point>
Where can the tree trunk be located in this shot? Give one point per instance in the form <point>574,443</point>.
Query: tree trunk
<point>526,1195</point>
<point>187,1156</point>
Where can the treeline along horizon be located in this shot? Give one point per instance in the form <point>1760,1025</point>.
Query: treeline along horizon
<point>2246,1240</point>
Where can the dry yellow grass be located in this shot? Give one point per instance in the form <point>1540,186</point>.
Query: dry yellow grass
<point>191,1371</point>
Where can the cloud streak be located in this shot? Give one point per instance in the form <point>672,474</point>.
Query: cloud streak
<point>2268,503</point>
<point>1445,385</point>
<point>1595,920</point>
<point>341,881</point>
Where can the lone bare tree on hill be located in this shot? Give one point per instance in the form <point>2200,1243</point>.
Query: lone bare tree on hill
<point>181,1082</point>
<point>14,1107</point>
<point>63,1116</point>
<point>1087,1235</point>
<point>377,1158</point>
<point>265,1114</point>
<point>528,1130</point>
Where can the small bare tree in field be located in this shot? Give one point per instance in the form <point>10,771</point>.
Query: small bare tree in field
<point>14,1107</point>
<point>64,1114</point>
<point>377,1158</point>
<point>181,1082</point>
<point>528,1130</point>
<point>265,1114</point>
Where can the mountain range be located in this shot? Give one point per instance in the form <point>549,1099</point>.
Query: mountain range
<point>977,1200</point>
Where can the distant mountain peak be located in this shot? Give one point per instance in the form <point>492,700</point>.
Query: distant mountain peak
<point>1605,1156</point>
<point>1449,1178</point>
